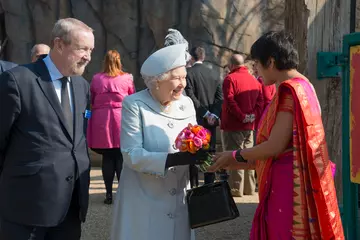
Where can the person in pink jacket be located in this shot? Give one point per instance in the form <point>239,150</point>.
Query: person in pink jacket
<point>108,89</point>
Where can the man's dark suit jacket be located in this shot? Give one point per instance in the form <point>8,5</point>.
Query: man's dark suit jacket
<point>41,162</point>
<point>204,88</point>
<point>4,66</point>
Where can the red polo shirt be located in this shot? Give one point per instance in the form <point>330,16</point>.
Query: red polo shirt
<point>242,95</point>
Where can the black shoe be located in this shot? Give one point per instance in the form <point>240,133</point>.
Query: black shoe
<point>108,199</point>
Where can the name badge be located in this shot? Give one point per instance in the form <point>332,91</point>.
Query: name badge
<point>87,114</point>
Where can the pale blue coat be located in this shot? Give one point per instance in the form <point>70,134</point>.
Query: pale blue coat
<point>150,200</point>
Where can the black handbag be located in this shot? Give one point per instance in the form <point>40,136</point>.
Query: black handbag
<point>210,204</point>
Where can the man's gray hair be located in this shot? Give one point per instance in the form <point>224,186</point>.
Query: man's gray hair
<point>150,81</point>
<point>63,28</point>
<point>32,51</point>
<point>34,48</point>
<point>237,59</point>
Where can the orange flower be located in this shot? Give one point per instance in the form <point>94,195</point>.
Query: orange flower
<point>205,142</point>
<point>184,147</point>
<point>191,147</point>
<point>208,136</point>
<point>206,146</point>
<point>196,129</point>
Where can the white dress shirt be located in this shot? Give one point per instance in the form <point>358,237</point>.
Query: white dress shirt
<point>55,76</point>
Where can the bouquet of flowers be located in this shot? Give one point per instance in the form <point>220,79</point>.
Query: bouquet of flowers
<point>192,139</point>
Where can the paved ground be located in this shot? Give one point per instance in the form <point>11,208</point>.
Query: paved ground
<point>98,222</point>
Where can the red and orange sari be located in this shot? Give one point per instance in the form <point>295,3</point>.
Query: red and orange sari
<point>296,190</point>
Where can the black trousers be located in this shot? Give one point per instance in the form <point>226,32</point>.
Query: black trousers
<point>112,161</point>
<point>69,229</point>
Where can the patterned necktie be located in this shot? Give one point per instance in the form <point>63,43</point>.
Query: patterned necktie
<point>65,104</point>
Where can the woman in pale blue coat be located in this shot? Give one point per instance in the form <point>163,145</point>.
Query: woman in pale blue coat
<point>150,201</point>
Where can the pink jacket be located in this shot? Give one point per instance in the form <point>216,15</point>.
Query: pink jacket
<point>107,94</point>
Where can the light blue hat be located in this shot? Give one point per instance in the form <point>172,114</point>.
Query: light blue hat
<point>164,60</point>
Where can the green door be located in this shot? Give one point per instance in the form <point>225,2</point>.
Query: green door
<point>351,134</point>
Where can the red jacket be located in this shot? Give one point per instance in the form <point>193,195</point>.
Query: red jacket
<point>242,95</point>
<point>268,91</point>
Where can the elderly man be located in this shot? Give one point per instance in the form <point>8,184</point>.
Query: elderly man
<point>243,104</point>
<point>44,178</point>
<point>38,50</point>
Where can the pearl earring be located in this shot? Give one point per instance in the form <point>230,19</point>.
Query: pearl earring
<point>157,85</point>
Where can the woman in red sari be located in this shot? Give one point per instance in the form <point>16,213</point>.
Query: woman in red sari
<point>296,187</point>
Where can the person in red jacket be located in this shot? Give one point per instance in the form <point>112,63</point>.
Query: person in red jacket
<point>267,90</point>
<point>243,104</point>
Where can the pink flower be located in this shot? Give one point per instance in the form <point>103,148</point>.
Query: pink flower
<point>188,134</point>
<point>181,136</point>
<point>202,134</point>
<point>178,144</point>
<point>198,142</point>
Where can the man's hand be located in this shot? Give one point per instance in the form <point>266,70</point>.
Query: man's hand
<point>249,118</point>
<point>211,119</point>
<point>252,118</point>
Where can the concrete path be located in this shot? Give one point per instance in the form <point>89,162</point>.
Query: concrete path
<point>98,222</point>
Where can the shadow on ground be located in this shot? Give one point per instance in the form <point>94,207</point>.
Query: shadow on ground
<point>98,224</point>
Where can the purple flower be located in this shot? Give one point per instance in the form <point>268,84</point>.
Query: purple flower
<point>197,142</point>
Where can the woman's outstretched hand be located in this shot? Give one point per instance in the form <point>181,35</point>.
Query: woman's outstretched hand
<point>226,161</point>
<point>223,160</point>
